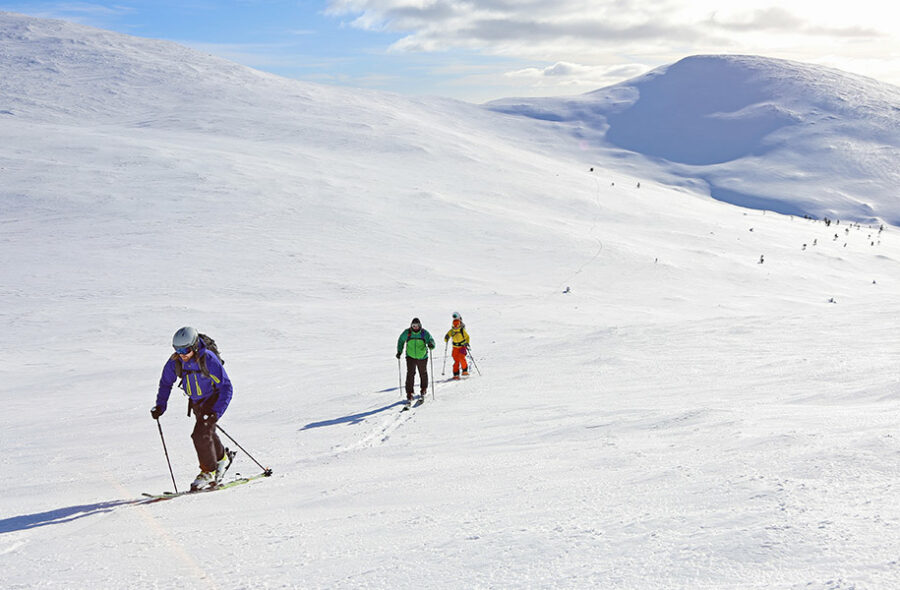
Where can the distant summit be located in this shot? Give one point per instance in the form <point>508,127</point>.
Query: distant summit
<point>761,132</point>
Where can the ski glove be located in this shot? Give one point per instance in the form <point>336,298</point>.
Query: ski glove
<point>156,412</point>
<point>398,354</point>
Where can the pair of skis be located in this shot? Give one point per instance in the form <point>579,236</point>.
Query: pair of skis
<point>215,486</point>
<point>410,404</point>
<point>240,480</point>
<point>421,399</point>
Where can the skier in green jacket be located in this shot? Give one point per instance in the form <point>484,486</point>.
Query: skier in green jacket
<point>418,342</point>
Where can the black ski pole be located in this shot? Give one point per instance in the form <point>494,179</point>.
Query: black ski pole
<point>472,358</point>
<point>266,470</point>
<point>166,451</point>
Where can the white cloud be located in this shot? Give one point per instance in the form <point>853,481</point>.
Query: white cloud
<point>604,33</point>
<point>571,77</point>
<point>570,70</point>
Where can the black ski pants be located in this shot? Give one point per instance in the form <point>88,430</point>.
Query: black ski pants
<point>411,366</point>
<point>206,441</point>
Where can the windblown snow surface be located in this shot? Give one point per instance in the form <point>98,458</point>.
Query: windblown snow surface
<point>713,404</point>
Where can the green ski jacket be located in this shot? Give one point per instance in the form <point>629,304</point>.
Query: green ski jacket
<point>417,343</point>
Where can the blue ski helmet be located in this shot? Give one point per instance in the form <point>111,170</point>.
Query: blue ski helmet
<point>184,338</point>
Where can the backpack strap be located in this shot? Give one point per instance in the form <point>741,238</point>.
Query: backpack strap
<point>201,361</point>
<point>408,336</point>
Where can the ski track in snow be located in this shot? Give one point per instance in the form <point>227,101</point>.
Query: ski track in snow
<point>380,433</point>
<point>384,427</point>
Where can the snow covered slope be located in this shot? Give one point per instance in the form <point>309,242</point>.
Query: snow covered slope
<point>711,405</point>
<point>763,133</point>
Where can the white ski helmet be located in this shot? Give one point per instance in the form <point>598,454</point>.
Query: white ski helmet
<point>185,337</point>
<point>456,316</point>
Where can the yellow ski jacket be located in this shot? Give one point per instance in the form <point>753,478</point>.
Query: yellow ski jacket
<point>459,335</point>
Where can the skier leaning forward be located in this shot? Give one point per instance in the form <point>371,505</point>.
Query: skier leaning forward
<point>209,393</point>
<point>418,342</point>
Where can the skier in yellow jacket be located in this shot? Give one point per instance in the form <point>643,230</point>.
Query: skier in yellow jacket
<point>460,345</point>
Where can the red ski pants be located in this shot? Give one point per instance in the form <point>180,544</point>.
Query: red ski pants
<point>459,359</point>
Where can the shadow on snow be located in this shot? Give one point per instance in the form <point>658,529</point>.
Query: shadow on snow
<point>58,516</point>
<point>357,418</point>
<point>353,418</point>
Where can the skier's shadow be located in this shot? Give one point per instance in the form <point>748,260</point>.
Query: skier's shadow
<point>58,516</point>
<point>354,418</point>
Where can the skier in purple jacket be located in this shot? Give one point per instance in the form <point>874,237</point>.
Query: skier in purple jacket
<point>206,384</point>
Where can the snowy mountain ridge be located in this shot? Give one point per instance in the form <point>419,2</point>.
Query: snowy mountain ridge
<point>761,132</point>
<point>673,392</point>
<point>757,132</point>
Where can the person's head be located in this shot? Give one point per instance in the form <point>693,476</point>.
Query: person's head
<point>416,325</point>
<point>185,342</point>
<point>457,319</point>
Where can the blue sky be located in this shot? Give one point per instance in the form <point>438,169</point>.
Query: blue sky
<point>478,50</point>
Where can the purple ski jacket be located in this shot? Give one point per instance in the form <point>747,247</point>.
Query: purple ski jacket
<point>199,388</point>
